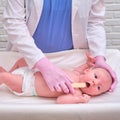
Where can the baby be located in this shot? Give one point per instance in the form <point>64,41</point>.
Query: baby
<point>23,81</point>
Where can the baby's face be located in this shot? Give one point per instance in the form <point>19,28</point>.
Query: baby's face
<point>98,81</point>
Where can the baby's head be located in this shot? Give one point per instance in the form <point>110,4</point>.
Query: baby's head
<point>98,81</point>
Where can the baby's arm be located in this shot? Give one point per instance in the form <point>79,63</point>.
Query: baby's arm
<point>20,63</point>
<point>82,68</point>
<point>89,64</point>
<point>78,97</point>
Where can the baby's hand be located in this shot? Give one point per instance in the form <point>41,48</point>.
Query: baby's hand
<point>86,98</point>
<point>90,60</point>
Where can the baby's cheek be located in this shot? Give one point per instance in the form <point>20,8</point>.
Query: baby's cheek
<point>85,90</point>
<point>87,78</point>
<point>90,91</point>
<point>93,91</point>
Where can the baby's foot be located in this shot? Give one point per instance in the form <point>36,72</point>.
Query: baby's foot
<point>2,69</point>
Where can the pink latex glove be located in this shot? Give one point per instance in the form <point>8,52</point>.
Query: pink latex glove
<point>56,79</point>
<point>100,62</point>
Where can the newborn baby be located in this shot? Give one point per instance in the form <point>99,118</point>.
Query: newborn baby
<point>23,81</point>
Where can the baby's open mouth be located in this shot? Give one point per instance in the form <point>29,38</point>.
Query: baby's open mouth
<point>87,84</point>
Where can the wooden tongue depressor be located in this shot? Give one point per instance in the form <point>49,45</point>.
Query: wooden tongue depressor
<point>79,85</point>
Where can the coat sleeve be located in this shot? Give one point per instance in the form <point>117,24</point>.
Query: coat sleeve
<point>14,19</point>
<point>95,29</point>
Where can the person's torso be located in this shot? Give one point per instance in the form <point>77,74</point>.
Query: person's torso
<point>53,32</point>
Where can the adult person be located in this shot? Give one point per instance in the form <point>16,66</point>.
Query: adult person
<point>36,27</point>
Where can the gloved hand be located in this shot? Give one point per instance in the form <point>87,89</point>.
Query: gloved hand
<point>56,79</point>
<point>100,62</point>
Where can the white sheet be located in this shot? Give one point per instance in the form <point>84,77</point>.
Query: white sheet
<point>105,107</point>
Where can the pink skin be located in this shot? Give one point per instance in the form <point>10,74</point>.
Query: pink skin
<point>100,62</point>
<point>2,69</point>
<point>56,79</point>
<point>98,81</point>
<point>83,73</point>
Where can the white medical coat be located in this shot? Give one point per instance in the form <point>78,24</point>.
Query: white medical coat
<point>21,18</point>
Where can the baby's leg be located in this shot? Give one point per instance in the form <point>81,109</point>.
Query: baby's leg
<point>14,82</point>
<point>2,69</point>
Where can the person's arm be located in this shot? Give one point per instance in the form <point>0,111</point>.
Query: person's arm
<point>15,24</point>
<point>56,78</point>
<point>96,37</point>
<point>95,29</point>
<point>78,97</point>
<point>20,37</point>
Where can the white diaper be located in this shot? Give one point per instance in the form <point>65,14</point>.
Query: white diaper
<point>28,81</point>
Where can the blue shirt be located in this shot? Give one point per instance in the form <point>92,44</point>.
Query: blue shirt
<point>53,32</point>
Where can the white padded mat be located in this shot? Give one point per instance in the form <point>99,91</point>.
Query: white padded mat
<point>105,107</point>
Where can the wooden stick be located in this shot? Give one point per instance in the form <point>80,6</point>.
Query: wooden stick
<point>79,85</point>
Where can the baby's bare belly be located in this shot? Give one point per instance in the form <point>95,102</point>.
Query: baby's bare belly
<point>42,88</point>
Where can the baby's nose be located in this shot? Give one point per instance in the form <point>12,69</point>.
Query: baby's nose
<point>96,81</point>
<point>92,82</point>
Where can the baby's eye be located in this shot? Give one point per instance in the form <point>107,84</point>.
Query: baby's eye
<point>95,76</point>
<point>98,87</point>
